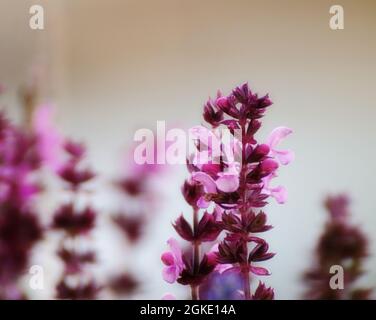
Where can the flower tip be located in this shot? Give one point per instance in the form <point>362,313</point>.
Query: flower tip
<point>167,258</point>
<point>221,102</point>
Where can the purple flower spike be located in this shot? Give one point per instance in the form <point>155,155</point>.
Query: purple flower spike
<point>20,227</point>
<point>232,178</point>
<point>340,244</point>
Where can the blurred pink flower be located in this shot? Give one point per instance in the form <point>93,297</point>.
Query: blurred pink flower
<point>278,134</point>
<point>20,226</point>
<point>50,142</point>
<point>173,260</point>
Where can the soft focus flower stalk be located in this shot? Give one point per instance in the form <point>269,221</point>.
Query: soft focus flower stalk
<point>75,222</point>
<point>259,164</point>
<point>66,159</point>
<point>340,244</point>
<point>139,203</point>
<point>231,176</point>
<point>20,227</point>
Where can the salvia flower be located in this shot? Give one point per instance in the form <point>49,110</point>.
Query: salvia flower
<point>139,197</point>
<point>65,157</point>
<point>72,221</point>
<point>75,223</point>
<point>341,244</point>
<point>173,261</point>
<point>232,172</point>
<point>20,227</point>
<point>138,206</point>
<point>278,134</point>
<point>50,141</point>
<point>124,284</point>
<point>85,291</point>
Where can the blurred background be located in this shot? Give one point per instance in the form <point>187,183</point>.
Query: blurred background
<point>111,67</point>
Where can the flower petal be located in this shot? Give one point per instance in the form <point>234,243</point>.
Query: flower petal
<point>50,142</point>
<point>227,182</point>
<point>284,156</point>
<point>169,274</point>
<point>202,203</point>
<point>277,135</point>
<point>206,180</point>
<point>259,271</point>
<point>280,194</point>
<point>176,251</point>
<point>167,258</point>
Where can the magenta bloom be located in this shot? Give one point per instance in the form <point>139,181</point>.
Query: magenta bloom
<point>225,181</point>
<point>234,172</point>
<point>173,261</point>
<point>340,243</point>
<point>74,221</point>
<point>20,227</point>
<point>279,193</point>
<point>50,142</point>
<point>278,134</point>
<point>242,182</point>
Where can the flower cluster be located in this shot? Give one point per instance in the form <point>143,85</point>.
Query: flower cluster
<point>75,222</point>
<point>233,178</point>
<point>20,227</point>
<point>139,198</point>
<point>74,219</point>
<point>138,206</point>
<point>340,244</point>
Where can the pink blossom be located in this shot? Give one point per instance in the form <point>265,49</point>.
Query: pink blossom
<point>279,193</point>
<point>226,182</point>
<point>278,134</point>
<point>173,261</point>
<point>50,142</point>
<point>207,161</point>
<point>234,176</point>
